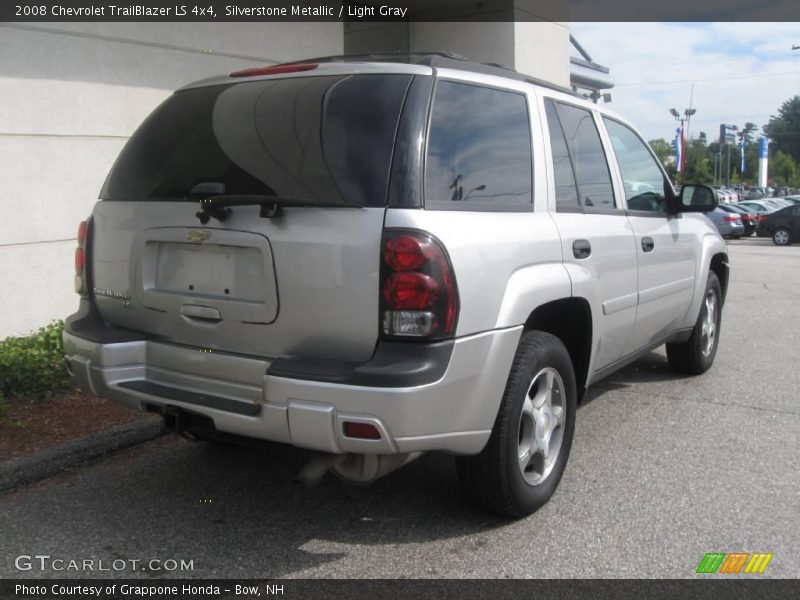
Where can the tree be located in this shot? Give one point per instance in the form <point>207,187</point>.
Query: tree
<point>698,163</point>
<point>782,168</point>
<point>663,150</point>
<point>784,129</point>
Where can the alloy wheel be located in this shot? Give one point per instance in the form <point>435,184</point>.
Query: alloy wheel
<point>541,426</point>
<point>708,331</point>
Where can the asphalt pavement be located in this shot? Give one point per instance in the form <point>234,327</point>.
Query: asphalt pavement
<point>663,469</point>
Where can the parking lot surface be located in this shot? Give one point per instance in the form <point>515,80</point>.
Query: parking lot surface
<point>663,469</point>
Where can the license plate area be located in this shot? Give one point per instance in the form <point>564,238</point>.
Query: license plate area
<point>230,271</point>
<point>210,271</point>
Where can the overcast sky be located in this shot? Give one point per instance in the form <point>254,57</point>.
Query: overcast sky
<point>741,71</point>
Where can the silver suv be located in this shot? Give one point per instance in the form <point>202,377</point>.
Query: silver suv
<point>375,257</point>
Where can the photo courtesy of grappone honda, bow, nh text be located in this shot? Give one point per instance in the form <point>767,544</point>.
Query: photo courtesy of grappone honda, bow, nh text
<point>379,256</point>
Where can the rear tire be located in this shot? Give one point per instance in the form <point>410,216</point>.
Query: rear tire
<point>782,237</point>
<point>696,355</point>
<point>520,467</point>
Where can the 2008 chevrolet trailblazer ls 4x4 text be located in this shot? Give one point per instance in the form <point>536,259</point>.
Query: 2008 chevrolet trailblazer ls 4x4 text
<point>378,256</point>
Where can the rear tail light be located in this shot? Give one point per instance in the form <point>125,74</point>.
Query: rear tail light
<point>83,228</point>
<point>731,218</point>
<point>275,70</point>
<point>81,279</point>
<point>419,298</point>
<point>80,261</point>
<point>410,290</point>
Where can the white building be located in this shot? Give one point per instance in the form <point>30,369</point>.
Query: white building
<point>72,93</point>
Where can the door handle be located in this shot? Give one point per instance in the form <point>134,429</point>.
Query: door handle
<point>581,249</point>
<point>648,244</point>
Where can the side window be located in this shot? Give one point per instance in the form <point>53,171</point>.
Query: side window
<point>642,178</point>
<point>588,157</point>
<point>479,150</point>
<point>564,174</point>
<point>796,210</point>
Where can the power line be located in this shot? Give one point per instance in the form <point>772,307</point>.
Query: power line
<point>706,79</point>
<point>650,65</point>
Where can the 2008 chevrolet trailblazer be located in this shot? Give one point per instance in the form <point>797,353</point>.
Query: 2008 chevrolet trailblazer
<point>378,256</point>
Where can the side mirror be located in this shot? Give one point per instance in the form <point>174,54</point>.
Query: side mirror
<point>696,198</point>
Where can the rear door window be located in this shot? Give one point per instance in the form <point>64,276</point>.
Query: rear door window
<point>479,149</point>
<point>592,174</point>
<point>322,139</point>
<point>563,171</point>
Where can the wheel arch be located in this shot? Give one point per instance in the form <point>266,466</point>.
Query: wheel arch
<point>570,320</point>
<point>719,265</point>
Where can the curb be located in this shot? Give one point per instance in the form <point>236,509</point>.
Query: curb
<point>69,455</point>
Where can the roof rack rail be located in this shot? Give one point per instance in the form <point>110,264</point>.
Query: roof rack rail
<point>437,59</point>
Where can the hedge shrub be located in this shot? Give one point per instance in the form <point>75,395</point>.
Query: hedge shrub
<point>33,365</point>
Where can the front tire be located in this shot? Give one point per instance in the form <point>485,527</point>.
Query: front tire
<point>696,355</point>
<point>520,467</point>
<point>782,237</point>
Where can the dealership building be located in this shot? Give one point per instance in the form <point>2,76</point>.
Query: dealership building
<point>74,92</point>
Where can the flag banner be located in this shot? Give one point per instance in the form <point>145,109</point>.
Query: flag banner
<point>741,153</point>
<point>679,149</point>
<point>763,147</point>
<point>683,150</point>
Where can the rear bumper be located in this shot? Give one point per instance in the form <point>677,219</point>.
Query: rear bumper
<point>730,229</point>
<point>245,396</point>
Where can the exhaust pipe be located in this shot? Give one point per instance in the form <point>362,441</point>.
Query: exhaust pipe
<point>359,469</point>
<point>188,425</point>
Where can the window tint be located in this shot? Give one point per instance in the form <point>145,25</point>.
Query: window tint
<point>479,149</point>
<point>588,157</point>
<point>322,139</point>
<point>642,178</point>
<point>566,188</point>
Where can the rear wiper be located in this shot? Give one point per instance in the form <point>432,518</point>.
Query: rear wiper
<point>218,206</point>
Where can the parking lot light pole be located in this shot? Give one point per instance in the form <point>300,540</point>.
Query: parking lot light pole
<point>685,117</point>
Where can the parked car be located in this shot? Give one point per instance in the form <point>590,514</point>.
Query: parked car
<point>782,226</point>
<point>270,259</point>
<point>736,195</point>
<point>749,219</point>
<point>724,195</point>
<point>781,191</point>
<point>756,193</point>
<point>729,224</point>
<point>759,206</point>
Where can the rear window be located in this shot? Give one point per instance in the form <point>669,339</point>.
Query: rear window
<point>324,140</point>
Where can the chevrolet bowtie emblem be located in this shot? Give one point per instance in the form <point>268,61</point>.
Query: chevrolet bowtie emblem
<point>198,235</point>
